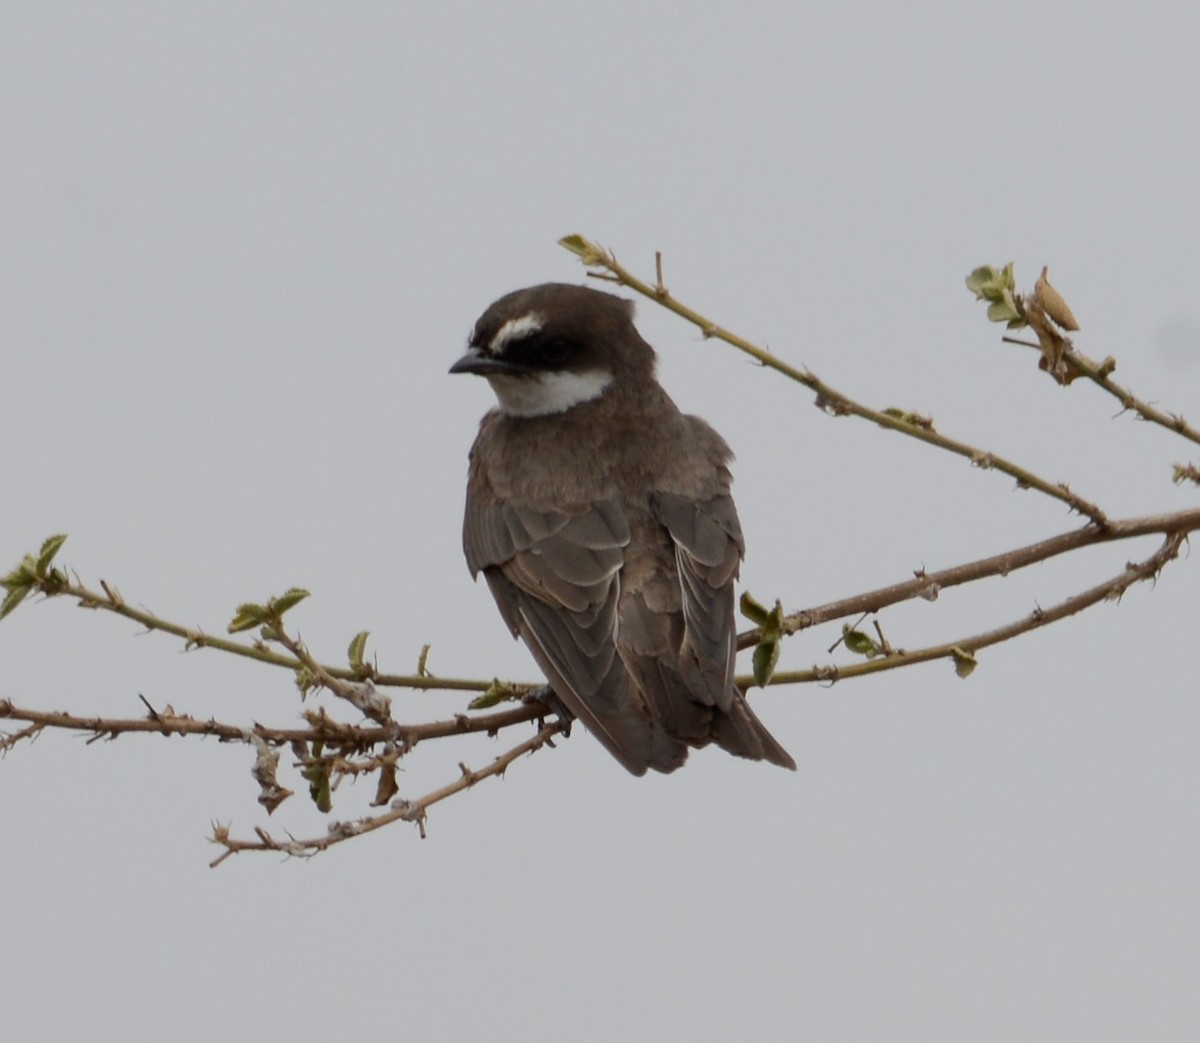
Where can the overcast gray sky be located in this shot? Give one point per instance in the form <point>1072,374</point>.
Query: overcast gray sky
<point>242,245</point>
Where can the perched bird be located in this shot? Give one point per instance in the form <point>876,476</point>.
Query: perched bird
<point>600,517</point>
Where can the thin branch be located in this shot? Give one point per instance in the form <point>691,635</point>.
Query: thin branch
<point>1098,374</point>
<point>1110,590</point>
<point>325,730</point>
<point>829,399</point>
<point>360,694</point>
<point>112,601</point>
<point>928,584</point>
<point>402,810</point>
<point>7,742</point>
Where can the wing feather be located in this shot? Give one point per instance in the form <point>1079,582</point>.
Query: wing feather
<point>556,579</point>
<point>708,550</point>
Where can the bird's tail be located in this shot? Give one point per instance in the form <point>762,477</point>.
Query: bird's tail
<point>741,733</point>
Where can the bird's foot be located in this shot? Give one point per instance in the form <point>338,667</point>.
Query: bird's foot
<point>546,696</point>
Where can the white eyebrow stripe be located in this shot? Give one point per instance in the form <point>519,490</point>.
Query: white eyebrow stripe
<point>515,329</point>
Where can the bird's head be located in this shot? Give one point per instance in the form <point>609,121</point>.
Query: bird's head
<point>549,348</point>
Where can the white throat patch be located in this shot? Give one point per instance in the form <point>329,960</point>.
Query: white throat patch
<point>547,393</point>
<point>514,329</point>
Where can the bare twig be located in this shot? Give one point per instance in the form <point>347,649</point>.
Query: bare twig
<point>828,398</point>
<point>326,731</point>
<point>1110,590</point>
<point>7,742</point>
<point>1099,374</point>
<point>929,584</point>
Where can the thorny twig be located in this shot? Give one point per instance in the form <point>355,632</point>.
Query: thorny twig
<point>828,398</point>
<point>1099,374</point>
<point>402,810</point>
<point>928,585</point>
<point>111,601</point>
<point>324,729</point>
<point>1110,590</point>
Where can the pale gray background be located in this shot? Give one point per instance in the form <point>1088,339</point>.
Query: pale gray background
<point>242,243</point>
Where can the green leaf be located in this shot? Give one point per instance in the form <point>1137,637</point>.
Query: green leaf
<point>1003,310</point>
<point>770,626</point>
<point>575,243</point>
<point>497,692</point>
<point>316,774</point>
<point>24,575</point>
<point>964,661</point>
<point>251,614</point>
<point>588,252</point>
<point>985,275</point>
<point>247,617</point>
<point>989,284</point>
<point>860,643</point>
<point>17,592</point>
<point>907,417</point>
<point>357,649</point>
<point>46,554</point>
<point>321,793</point>
<point>753,610</point>
<point>770,621</point>
<point>766,656</point>
<point>286,601</point>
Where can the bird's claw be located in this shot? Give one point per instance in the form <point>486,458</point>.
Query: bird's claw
<point>545,695</point>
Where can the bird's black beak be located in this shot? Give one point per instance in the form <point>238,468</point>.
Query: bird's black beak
<point>480,362</point>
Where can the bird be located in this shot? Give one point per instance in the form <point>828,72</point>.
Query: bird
<point>601,518</point>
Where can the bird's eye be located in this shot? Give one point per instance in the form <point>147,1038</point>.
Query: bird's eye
<point>554,352</point>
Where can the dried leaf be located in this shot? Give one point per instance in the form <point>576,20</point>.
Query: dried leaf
<point>388,786</point>
<point>1053,304</point>
<point>1053,344</point>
